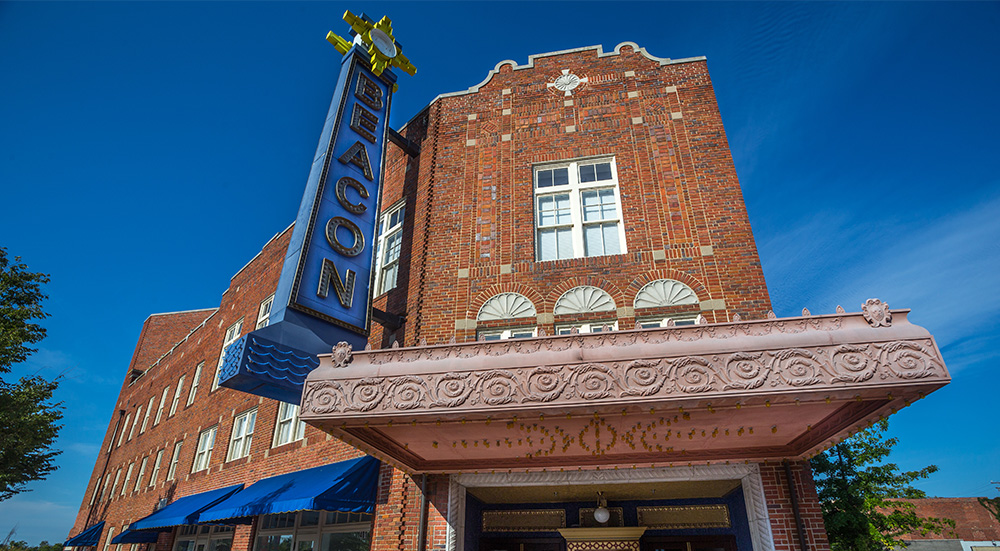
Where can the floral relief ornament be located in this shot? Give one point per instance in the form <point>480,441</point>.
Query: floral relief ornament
<point>342,354</point>
<point>876,313</point>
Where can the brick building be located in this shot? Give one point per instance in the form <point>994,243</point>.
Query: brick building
<point>578,325</point>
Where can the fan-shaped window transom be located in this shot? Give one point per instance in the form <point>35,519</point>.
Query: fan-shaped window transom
<point>506,306</point>
<point>664,292</point>
<point>583,300</point>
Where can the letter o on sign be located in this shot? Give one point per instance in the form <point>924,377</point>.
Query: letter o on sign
<point>331,236</point>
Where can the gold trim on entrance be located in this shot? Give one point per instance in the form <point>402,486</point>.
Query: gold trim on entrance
<point>684,516</point>
<point>528,520</point>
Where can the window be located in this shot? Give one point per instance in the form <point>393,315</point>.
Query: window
<point>149,410</point>
<point>239,444</point>
<point>114,486</point>
<point>685,319</point>
<point>202,456</point>
<point>163,401</point>
<point>121,437</point>
<point>177,396</point>
<point>289,427</point>
<point>104,492</point>
<point>128,476</point>
<point>192,537</point>
<point>594,327</point>
<point>135,423</point>
<point>156,468</point>
<point>390,242</point>
<point>97,491</point>
<point>577,210</point>
<point>174,459</point>
<point>111,534</point>
<point>232,334</point>
<point>194,383</point>
<point>314,531</point>
<point>504,334</point>
<point>264,314</point>
<point>142,474</point>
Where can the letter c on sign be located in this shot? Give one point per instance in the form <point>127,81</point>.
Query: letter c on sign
<point>342,185</point>
<point>331,236</point>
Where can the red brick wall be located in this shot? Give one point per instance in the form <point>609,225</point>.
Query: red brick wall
<point>779,507</point>
<point>248,288</point>
<point>973,522</point>
<point>470,206</point>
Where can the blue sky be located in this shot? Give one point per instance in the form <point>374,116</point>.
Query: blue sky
<point>149,149</point>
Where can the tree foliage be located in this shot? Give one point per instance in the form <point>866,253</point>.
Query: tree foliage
<point>23,546</point>
<point>28,417</point>
<point>860,494</point>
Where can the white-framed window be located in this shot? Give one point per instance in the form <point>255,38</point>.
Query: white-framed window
<point>203,455</point>
<point>104,492</point>
<point>390,242</point>
<point>128,476</point>
<point>174,460</point>
<point>121,437</point>
<point>114,486</point>
<point>504,334</point>
<point>587,327</point>
<point>177,396</point>
<point>163,402</point>
<point>156,468</point>
<point>661,321</point>
<point>142,474</point>
<point>135,423</point>
<point>289,427</point>
<point>578,210</point>
<point>314,530</point>
<point>242,437</point>
<point>194,383</point>
<point>232,334</point>
<point>264,313</point>
<point>97,491</point>
<point>111,534</point>
<point>149,411</point>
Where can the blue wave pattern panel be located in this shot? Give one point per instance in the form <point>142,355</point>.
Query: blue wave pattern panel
<point>267,368</point>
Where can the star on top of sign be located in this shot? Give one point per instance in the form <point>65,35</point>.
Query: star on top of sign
<point>377,38</point>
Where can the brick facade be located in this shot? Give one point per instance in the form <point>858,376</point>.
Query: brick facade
<point>469,234</point>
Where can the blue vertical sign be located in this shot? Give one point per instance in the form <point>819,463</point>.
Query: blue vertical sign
<point>324,293</point>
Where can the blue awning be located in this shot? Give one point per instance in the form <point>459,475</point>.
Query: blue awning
<point>185,510</point>
<point>345,486</point>
<point>87,538</point>
<point>136,536</point>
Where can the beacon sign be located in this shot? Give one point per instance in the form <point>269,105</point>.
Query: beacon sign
<point>324,293</point>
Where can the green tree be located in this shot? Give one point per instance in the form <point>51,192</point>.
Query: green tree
<point>860,494</point>
<point>29,420</point>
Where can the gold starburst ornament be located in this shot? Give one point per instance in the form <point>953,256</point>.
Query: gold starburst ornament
<point>382,48</point>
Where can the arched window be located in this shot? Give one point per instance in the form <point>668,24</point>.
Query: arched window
<point>586,299</point>
<point>662,293</point>
<point>506,306</point>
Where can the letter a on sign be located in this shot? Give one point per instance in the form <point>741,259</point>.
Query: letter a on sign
<point>357,155</point>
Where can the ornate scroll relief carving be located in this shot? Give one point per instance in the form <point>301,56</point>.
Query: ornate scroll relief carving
<point>876,313</point>
<point>584,300</point>
<point>664,292</point>
<point>830,365</point>
<point>506,306</point>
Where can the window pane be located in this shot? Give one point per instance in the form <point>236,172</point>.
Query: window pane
<point>309,518</point>
<point>563,213</point>
<point>587,173</point>
<point>564,238</point>
<point>611,244</point>
<point>598,204</point>
<point>603,171</point>
<point>547,245</point>
<point>393,243</point>
<point>346,541</point>
<point>560,176</point>
<point>544,178</point>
